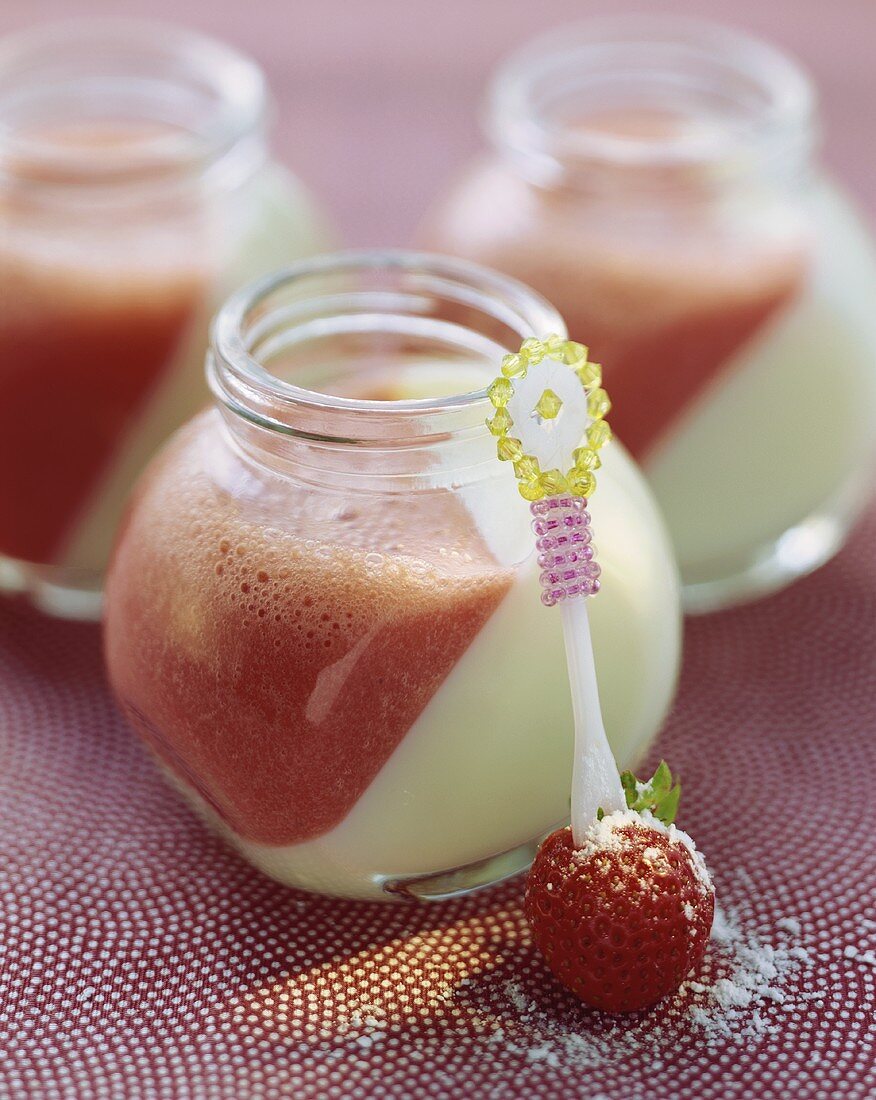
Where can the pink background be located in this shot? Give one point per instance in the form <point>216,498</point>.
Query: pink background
<point>378,99</point>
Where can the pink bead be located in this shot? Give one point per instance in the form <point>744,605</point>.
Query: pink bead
<point>566,554</point>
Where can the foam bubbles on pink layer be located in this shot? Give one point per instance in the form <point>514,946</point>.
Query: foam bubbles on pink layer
<point>313,569</point>
<point>277,667</point>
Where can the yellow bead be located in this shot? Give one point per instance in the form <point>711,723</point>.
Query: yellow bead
<point>549,405</point>
<point>527,468</point>
<point>553,483</point>
<point>500,392</point>
<point>553,344</point>
<point>574,354</point>
<point>530,490</point>
<point>509,449</point>
<point>598,434</point>
<point>598,404</point>
<point>532,350</point>
<point>586,459</point>
<point>500,423</point>
<point>590,374</point>
<point>582,483</point>
<point>514,366</point>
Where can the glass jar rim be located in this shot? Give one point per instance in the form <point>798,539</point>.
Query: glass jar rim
<point>241,383</point>
<point>55,62</point>
<point>781,109</point>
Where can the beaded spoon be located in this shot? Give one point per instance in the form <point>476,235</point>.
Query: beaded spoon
<point>549,418</point>
<point>622,904</point>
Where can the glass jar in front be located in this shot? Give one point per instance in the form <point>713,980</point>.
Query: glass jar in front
<point>323,610</point>
<point>654,179</point>
<point>135,194</point>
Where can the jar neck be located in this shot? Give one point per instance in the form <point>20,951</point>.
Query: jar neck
<point>110,113</point>
<point>652,104</point>
<point>370,366</point>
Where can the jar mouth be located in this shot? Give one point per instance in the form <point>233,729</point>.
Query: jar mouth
<point>108,102</point>
<point>378,305</point>
<point>645,93</point>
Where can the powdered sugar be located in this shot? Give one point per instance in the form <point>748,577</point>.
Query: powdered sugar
<point>789,924</point>
<point>604,836</point>
<point>868,958</point>
<point>733,1005</point>
<point>729,994</point>
<point>858,952</point>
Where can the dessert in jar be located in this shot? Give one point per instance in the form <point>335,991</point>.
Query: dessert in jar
<point>323,613</point>
<point>135,193</point>
<point>654,178</point>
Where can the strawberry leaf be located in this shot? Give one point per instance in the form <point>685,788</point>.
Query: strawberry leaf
<point>657,794</point>
<point>662,780</point>
<point>667,807</point>
<point>628,782</point>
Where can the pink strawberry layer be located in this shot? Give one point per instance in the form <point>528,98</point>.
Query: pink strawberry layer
<point>275,653</point>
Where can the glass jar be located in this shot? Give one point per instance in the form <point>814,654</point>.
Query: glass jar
<point>654,179</point>
<point>323,613</point>
<point>135,193</point>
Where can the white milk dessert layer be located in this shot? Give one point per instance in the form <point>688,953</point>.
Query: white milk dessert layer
<point>777,454</point>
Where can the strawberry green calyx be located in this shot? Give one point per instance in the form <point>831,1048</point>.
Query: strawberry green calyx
<point>657,795</point>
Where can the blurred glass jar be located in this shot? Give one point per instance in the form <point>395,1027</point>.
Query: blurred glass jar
<point>654,179</point>
<point>135,192</point>
<point>323,612</point>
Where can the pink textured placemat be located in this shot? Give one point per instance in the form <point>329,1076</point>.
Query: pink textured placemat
<point>141,959</point>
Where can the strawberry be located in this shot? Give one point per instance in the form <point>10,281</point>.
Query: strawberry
<point>622,919</point>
